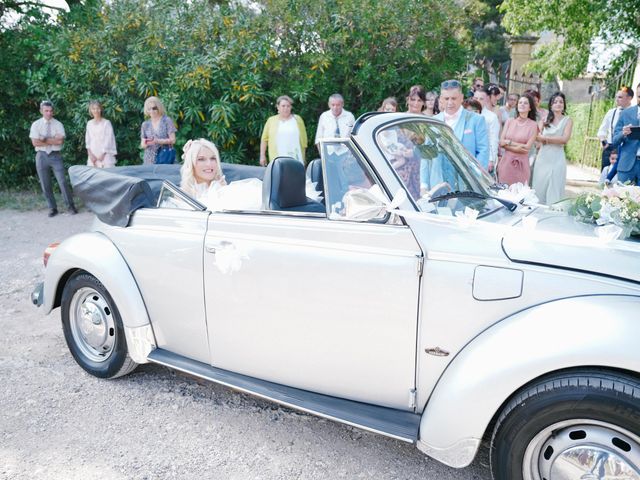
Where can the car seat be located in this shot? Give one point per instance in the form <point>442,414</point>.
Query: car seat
<point>283,188</point>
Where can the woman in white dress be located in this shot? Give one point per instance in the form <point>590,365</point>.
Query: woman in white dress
<point>201,177</point>
<point>100,139</point>
<point>550,168</point>
<point>284,134</point>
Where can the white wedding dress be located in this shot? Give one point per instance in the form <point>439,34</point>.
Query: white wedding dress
<point>243,195</point>
<point>239,195</point>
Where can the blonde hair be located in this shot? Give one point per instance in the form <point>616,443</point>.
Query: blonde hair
<point>191,150</point>
<point>151,102</point>
<point>95,103</point>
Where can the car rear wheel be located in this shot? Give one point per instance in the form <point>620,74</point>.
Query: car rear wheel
<point>93,329</point>
<point>578,425</point>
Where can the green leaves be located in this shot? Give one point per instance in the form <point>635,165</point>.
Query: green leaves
<point>218,67</point>
<point>577,24</point>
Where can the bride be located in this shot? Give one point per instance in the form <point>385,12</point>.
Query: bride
<point>202,178</point>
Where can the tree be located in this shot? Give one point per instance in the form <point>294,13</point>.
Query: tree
<point>577,24</point>
<point>219,66</point>
<point>486,33</point>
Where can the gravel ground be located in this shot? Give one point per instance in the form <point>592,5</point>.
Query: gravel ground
<point>58,422</point>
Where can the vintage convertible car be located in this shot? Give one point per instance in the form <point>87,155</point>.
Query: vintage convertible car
<point>413,300</point>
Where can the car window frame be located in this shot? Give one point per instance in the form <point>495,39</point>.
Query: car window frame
<point>368,168</point>
<point>177,191</point>
<point>197,206</point>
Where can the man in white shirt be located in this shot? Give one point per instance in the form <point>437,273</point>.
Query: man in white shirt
<point>605,133</point>
<point>47,136</point>
<point>493,126</point>
<point>335,122</point>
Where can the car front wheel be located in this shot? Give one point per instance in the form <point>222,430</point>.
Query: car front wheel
<point>93,329</point>
<point>575,425</point>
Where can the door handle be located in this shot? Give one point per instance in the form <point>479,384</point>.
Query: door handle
<point>214,246</point>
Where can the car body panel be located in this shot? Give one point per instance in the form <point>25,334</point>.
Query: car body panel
<point>451,316</point>
<point>94,253</point>
<point>556,335</point>
<point>556,243</point>
<point>337,300</point>
<point>163,249</point>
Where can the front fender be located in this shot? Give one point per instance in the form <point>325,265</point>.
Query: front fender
<point>599,331</point>
<point>96,254</point>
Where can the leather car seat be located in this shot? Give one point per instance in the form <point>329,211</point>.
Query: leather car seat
<point>283,188</point>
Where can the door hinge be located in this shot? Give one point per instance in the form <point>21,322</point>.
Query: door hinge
<point>412,398</point>
<point>420,266</point>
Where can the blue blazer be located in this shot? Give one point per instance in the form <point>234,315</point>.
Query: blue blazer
<point>471,130</point>
<point>627,148</point>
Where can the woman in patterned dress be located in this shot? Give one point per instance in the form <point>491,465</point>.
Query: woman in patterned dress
<point>157,132</point>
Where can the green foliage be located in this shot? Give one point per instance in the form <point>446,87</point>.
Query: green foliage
<point>217,66</point>
<point>22,55</point>
<point>576,23</point>
<point>584,125</point>
<point>485,32</point>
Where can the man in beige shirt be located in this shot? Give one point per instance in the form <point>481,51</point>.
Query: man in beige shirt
<point>47,136</point>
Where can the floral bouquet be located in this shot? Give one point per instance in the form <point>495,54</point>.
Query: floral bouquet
<point>617,204</point>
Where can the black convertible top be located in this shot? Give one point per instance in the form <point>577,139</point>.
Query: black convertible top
<point>113,194</point>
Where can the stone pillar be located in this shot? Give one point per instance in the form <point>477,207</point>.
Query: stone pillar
<point>521,50</point>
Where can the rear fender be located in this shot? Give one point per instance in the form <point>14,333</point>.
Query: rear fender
<point>96,254</point>
<point>598,331</point>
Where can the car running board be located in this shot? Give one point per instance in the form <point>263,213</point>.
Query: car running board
<point>398,424</point>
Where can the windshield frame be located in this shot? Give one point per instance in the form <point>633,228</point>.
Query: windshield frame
<point>472,174</point>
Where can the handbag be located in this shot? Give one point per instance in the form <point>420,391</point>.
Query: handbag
<point>165,155</point>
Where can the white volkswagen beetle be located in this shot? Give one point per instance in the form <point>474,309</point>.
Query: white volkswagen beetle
<point>409,300</point>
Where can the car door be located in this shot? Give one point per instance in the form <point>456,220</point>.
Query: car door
<point>321,304</point>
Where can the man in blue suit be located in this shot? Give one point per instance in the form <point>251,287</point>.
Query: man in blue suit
<point>469,127</point>
<point>629,149</point>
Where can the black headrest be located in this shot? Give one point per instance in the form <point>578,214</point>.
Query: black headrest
<point>283,187</point>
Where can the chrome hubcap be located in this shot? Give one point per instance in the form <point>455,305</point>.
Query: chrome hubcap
<point>92,324</point>
<point>583,450</point>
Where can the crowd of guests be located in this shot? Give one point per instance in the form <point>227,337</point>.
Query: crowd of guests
<point>619,136</point>
<point>512,138</point>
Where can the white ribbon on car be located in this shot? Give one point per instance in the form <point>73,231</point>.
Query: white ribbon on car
<point>229,257</point>
<point>465,218</point>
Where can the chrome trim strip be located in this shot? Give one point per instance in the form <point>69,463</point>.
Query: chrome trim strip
<point>464,258</point>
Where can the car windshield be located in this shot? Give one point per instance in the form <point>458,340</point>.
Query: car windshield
<point>435,168</point>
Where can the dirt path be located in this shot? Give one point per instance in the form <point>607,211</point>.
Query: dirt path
<point>57,422</point>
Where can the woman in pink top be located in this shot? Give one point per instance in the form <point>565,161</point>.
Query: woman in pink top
<point>517,138</point>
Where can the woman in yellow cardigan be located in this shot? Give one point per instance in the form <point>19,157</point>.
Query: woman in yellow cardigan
<point>284,134</point>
